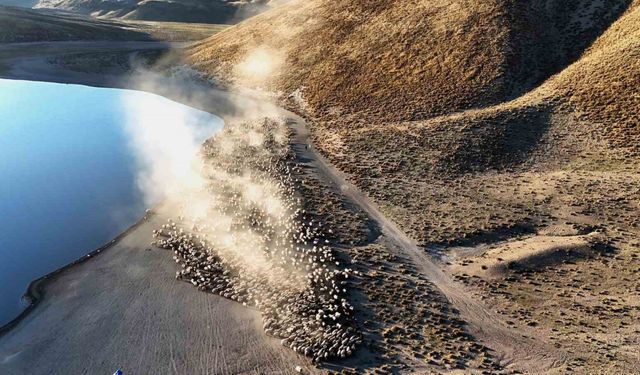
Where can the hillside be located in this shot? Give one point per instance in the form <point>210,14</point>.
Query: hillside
<point>389,113</point>
<point>360,57</point>
<point>27,25</point>
<point>479,127</point>
<point>194,11</point>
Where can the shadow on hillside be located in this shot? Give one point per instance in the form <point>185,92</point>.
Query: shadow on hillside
<point>497,141</point>
<point>495,235</point>
<point>21,25</point>
<point>549,36</point>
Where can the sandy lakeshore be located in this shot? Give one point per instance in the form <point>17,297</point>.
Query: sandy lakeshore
<point>475,241</point>
<point>124,309</point>
<point>135,315</point>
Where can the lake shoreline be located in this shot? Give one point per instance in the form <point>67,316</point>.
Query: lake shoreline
<point>35,288</point>
<point>42,334</point>
<point>188,89</point>
<point>34,292</point>
<point>51,73</point>
<point>70,188</point>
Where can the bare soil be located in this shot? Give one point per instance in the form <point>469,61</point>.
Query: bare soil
<point>482,131</point>
<point>124,309</point>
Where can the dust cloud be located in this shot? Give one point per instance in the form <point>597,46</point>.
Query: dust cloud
<point>235,222</point>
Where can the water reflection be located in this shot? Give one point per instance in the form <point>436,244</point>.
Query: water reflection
<point>68,179</point>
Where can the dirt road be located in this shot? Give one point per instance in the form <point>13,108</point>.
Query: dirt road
<point>522,350</point>
<point>528,353</point>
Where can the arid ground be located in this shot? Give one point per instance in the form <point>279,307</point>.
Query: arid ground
<point>501,138</point>
<point>124,309</point>
<point>476,164</point>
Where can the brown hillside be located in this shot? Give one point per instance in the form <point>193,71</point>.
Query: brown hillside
<point>472,123</point>
<point>468,173</point>
<point>409,60</point>
<point>603,87</point>
<point>418,68</point>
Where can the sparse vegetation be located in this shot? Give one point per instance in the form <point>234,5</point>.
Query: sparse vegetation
<point>475,125</point>
<point>501,136</point>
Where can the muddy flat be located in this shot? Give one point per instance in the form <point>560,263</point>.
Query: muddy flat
<point>124,309</point>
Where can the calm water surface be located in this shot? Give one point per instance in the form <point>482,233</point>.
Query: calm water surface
<point>67,176</point>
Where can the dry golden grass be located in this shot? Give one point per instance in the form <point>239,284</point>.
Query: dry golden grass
<point>602,87</point>
<point>407,324</point>
<point>471,123</point>
<point>409,60</point>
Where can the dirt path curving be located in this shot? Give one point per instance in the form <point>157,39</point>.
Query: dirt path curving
<point>518,349</point>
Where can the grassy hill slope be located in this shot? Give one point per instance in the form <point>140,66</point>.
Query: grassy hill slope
<point>602,87</point>
<point>410,60</point>
<point>473,123</point>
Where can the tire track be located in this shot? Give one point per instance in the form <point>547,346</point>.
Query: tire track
<point>513,348</point>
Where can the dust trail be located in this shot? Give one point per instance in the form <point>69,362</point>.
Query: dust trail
<point>237,226</point>
<point>166,140</point>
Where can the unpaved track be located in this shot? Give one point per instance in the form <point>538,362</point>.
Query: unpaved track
<point>529,353</point>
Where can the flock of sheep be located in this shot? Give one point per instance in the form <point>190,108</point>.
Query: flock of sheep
<point>252,242</point>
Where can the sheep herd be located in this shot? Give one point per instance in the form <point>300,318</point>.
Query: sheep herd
<point>244,235</point>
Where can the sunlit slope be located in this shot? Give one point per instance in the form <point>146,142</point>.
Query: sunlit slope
<point>603,87</point>
<point>586,114</point>
<point>410,60</point>
<point>406,96</point>
<point>476,125</point>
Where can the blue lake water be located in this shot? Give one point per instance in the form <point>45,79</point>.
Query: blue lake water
<point>68,175</point>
